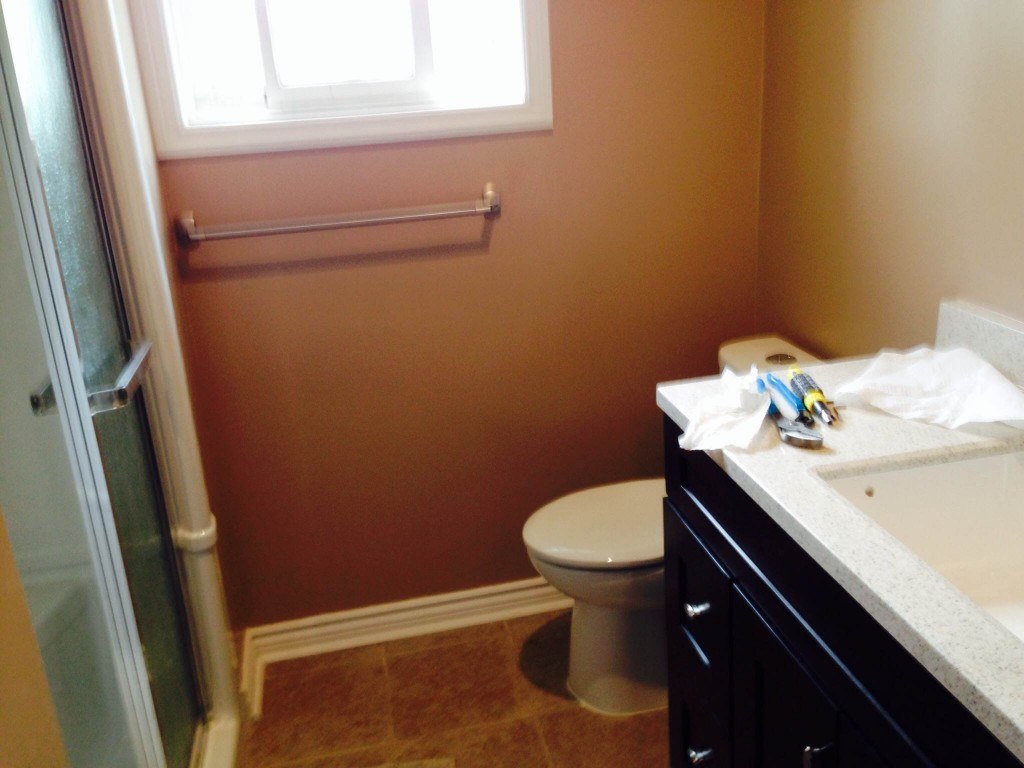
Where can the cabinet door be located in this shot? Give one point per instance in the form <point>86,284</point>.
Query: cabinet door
<point>781,718</point>
<point>854,750</point>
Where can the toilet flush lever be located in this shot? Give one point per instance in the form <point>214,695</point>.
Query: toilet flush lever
<point>693,611</point>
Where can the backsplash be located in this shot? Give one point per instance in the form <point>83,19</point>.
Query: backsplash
<point>997,338</point>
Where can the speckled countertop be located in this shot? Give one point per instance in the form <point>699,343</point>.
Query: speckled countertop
<point>975,657</point>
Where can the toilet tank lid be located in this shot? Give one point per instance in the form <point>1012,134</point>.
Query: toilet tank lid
<point>740,354</point>
<point>607,527</point>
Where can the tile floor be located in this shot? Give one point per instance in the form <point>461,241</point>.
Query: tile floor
<point>491,696</point>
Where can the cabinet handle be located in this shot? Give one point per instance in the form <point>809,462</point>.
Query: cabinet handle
<point>693,611</point>
<point>811,754</point>
<point>699,756</point>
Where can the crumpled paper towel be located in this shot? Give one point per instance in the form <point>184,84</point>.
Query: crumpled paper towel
<point>732,417</point>
<point>948,387</point>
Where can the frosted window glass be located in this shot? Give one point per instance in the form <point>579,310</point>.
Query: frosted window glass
<point>219,58</point>
<point>321,42</point>
<point>478,52</point>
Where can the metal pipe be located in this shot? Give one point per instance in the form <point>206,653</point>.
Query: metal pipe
<point>489,204</point>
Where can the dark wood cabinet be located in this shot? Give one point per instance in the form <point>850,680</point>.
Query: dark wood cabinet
<point>773,664</point>
<point>700,656</point>
<point>854,749</point>
<point>780,714</point>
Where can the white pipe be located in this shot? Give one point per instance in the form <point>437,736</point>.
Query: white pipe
<point>131,173</point>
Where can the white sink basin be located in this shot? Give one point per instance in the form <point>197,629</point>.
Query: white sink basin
<point>964,518</point>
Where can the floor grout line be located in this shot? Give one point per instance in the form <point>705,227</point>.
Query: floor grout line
<point>389,683</point>
<point>543,743</point>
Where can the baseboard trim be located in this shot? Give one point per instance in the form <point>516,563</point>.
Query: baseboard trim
<point>216,744</point>
<point>328,632</point>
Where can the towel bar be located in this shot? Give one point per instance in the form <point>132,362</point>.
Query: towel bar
<point>489,204</point>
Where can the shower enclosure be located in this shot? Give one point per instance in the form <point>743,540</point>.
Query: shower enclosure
<point>133,642</point>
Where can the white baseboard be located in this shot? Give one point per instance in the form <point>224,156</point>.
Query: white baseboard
<point>216,744</point>
<point>328,632</point>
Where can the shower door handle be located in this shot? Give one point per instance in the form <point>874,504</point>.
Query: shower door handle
<point>127,384</point>
<point>102,400</point>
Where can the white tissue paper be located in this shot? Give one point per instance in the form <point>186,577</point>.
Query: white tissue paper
<point>948,387</point>
<point>732,417</point>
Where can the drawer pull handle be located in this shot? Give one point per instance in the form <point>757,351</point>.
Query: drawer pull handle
<point>810,759</point>
<point>699,756</point>
<point>693,611</point>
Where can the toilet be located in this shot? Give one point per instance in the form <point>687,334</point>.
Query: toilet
<point>604,548</point>
<point>766,352</point>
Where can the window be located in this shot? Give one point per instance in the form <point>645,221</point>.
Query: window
<point>232,76</point>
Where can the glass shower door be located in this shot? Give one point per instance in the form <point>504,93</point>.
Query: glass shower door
<point>54,146</point>
<point>59,568</point>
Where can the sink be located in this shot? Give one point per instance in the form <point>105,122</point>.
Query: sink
<point>965,518</point>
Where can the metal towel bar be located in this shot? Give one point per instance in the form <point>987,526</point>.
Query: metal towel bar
<point>489,204</point>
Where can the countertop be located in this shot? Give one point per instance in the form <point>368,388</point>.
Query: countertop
<point>977,659</point>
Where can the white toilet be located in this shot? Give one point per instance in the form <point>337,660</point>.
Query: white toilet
<point>766,352</point>
<point>604,547</point>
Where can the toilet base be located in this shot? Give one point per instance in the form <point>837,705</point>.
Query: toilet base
<point>617,659</point>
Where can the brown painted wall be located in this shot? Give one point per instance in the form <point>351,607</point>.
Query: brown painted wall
<point>381,428</point>
<point>893,168</point>
<point>29,733</point>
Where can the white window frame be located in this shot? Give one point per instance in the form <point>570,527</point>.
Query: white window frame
<point>174,138</point>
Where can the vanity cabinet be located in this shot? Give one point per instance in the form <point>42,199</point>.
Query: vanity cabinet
<point>779,712</point>
<point>773,664</point>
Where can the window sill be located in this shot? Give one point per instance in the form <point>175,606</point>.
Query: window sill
<point>175,140</point>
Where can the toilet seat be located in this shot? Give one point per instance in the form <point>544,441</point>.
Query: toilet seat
<point>610,527</point>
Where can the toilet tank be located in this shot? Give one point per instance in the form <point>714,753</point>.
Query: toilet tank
<point>766,352</point>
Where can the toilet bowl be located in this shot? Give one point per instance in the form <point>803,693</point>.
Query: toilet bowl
<point>604,548</point>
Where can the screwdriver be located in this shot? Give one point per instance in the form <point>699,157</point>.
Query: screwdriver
<point>810,394</point>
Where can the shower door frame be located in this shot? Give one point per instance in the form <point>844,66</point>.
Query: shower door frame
<point>103,46</point>
<point>117,124</point>
<point>72,397</point>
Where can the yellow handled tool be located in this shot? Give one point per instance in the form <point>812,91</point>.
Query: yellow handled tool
<point>810,394</point>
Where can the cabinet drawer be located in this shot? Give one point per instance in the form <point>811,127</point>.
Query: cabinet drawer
<point>698,738</point>
<point>698,615</point>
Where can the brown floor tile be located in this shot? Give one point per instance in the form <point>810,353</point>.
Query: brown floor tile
<point>578,738</point>
<point>375,757</point>
<point>524,626</point>
<point>451,687</point>
<point>475,634</point>
<point>514,744</point>
<point>540,655</point>
<point>320,711</point>
<point>361,655</point>
<point>492,696</point>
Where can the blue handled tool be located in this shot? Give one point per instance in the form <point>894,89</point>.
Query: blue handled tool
<point>790,430</point>
<point>785,400</point>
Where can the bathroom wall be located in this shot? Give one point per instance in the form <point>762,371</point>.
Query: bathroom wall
<point>893,170</point>
<point>29,733</point>
<point>379,428</point>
